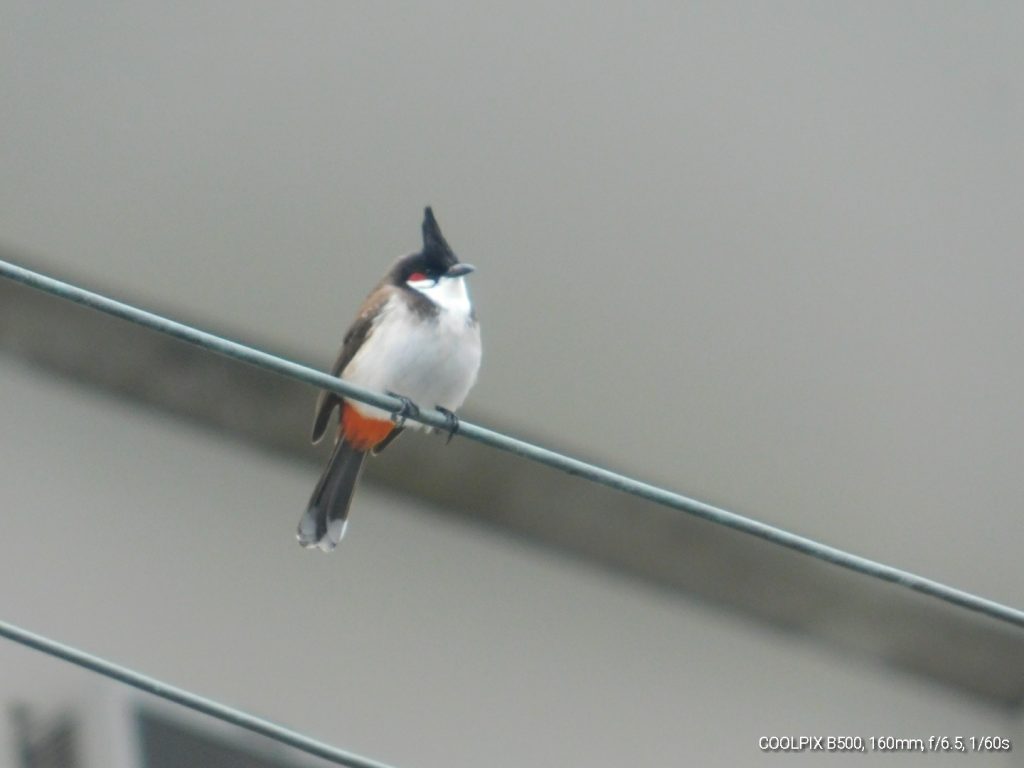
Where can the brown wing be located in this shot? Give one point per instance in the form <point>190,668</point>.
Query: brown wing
<point>354,338</point>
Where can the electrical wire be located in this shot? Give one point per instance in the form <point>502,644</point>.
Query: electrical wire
<point>187,699</point>
<point>527,450</point>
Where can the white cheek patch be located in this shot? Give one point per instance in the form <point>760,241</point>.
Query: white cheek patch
<point>448,293</point>
<point>421,285</point>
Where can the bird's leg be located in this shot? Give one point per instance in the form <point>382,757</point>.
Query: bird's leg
<point>408,408</point>
<point>451,422</point>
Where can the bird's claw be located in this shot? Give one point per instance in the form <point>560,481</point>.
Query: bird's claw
<point>404,411</point>
<point>451,423</point>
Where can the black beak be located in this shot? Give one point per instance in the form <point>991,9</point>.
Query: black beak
<point>459,270</point>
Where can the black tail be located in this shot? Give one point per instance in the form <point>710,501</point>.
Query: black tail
<point>325,519</point>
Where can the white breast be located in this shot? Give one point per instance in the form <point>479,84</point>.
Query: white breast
<point>432,360</point>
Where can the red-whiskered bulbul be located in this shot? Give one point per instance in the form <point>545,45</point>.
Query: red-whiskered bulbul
<point>416,336</point>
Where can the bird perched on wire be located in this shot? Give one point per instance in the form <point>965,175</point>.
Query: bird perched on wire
<point>416,337</point>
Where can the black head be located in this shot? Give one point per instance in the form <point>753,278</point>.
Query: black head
<point>435,261</point>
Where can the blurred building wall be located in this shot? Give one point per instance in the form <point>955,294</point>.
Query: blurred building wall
<point>422,641</point>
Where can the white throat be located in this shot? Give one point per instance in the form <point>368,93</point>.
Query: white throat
<point>449,293</point>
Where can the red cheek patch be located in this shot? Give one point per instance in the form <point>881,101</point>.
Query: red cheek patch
<point>416,277</point>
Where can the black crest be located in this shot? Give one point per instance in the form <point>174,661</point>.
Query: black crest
<point>436,250</point>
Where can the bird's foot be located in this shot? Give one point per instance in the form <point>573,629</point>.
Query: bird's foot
<point>404,411</point>
<point>451,422</point>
